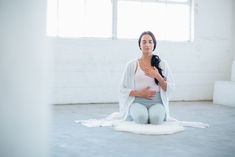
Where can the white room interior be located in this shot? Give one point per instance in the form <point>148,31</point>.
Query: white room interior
<point>38,70</point>
<point>196,65</point>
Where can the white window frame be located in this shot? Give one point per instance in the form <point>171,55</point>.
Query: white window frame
<point>115,14</point>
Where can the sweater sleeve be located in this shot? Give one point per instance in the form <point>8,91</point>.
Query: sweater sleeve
<point>169,78</point>
<point>125,87</point>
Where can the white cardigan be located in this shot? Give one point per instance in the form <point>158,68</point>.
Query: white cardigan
<point>128,83</point>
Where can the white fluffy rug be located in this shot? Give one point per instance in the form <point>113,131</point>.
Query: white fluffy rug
<point>164,128</point>
<point>170,127</point>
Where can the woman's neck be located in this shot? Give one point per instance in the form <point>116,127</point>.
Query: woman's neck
<point>145,61</point>
<point>146,58</point>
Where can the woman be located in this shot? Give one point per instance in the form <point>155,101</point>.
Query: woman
<point>146,85</point>
<point>145,89</point>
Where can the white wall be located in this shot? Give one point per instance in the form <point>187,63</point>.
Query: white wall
<point>233,26</point>
<point>24,79</point>
<point>89,70</point>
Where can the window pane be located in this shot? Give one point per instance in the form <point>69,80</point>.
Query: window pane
<point>71,18</point>
<point>84,18</point>
<point>178,24</point>
<point>135,17</point>
<point>52,17</point>
<point>167,21</point>
<point>98,18</point>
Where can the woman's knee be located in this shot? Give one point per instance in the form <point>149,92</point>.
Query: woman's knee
<point>139,113</point>
<point>157,114</point>
<point>141,119</point>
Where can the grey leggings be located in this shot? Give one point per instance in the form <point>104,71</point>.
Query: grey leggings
<point>145,111</point>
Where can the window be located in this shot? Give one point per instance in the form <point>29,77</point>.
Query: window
<point>167,19</point>
<point>79,18</point>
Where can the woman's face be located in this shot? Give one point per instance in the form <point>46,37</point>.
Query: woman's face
<point>146,44</point>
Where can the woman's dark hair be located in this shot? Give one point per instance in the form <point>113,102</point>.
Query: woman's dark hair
<point>155,60</point>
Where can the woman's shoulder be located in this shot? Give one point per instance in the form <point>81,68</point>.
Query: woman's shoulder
<point>132,62</point>
<point>131,65</point>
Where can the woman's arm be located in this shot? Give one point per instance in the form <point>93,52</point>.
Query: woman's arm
<point>135,93</point>
<point>168,77</point>
<point>145,93</point>
<point>162,81</point>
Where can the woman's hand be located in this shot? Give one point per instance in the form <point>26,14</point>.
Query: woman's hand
<point>154,73</point>
<point>146,93</point>
<point>151,72</point>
